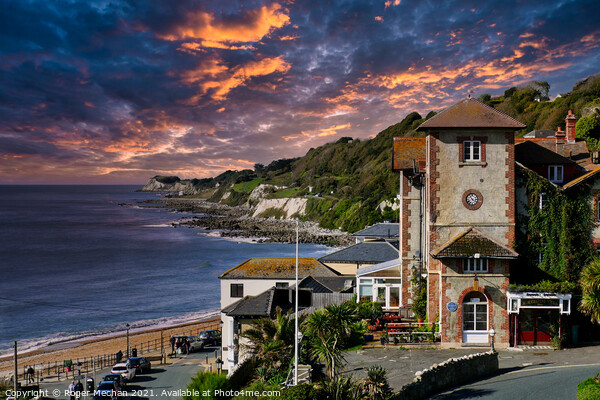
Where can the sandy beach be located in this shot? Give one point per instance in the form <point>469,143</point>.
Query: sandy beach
<point>104,346</point>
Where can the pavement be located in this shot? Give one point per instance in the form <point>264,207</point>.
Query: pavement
<point>401,363</point>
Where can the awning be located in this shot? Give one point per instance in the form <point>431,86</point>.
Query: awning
<point>540,300</point>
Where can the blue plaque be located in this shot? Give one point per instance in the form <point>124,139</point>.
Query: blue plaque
<point>452,306</point>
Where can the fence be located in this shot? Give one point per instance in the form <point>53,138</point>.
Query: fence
<point>69,369</point>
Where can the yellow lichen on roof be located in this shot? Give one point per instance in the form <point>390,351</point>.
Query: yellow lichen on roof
<point>277,267</point>
<point>407,149</point>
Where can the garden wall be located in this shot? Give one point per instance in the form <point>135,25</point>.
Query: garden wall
<point>450,373</point>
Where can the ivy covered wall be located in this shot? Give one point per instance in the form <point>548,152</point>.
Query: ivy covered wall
<point>554,238</point>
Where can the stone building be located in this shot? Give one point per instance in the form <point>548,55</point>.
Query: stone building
<point>459,206</point>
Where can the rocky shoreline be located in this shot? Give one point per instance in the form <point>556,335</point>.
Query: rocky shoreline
<point>236,223</point>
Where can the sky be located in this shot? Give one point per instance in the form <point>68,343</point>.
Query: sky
<point>115,92</point>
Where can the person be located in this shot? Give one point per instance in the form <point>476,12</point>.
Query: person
<point>172,340</point>
<point>78,389</point>
<point>72,390</point>
<point>187,346</point>
<point>119,356</point>
<point>30,374</point>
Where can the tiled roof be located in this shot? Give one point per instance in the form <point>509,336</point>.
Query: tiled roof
<point>578,151</point>
<point>370,252</point>
<point>378,267</point>
<point>252,306</point>
<point>407,150</point>
<point>472,242</point>
<point>583,178</point>
<point>541,133</point>
<point>381,230</point>
<point>471,113</point>
<point>277,268</point>
<point>531,153</point>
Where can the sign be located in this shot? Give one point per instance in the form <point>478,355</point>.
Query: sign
<point>452,306</point>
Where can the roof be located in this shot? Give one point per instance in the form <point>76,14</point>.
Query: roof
<point>328,284</point>
<point>541,133</point>
<point>277,268</point>
<point>578,151</point>
<point>256,306</point>
<point>378,267</point>
<point>472,242</point>
<point>583,178</point>
<point>471,113</point>
<point>531,153</point>
<point>407,151</point>
<point>381,230</point>
<point>370,252</point>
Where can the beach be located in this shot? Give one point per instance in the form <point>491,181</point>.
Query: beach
<point>103,346</point>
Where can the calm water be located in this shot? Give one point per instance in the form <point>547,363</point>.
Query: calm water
<point>77,261</point>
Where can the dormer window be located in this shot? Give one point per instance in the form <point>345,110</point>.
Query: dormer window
<point>475,265</point>
<point>555,173</point>
<point>471,151</point>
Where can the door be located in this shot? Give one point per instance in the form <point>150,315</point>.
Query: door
<point>535,326</point>
<point>475,319</point>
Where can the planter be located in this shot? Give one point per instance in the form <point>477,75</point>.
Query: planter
<point>420,321</point>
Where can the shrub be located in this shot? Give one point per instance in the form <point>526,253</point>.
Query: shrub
<point>589,389</point>
<point>301,392</point>
<point>205,383</point>
<point>167,179</point>
<point>245,372</point>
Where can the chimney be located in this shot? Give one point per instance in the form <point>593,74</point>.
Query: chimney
<point>570,122</point>
<point>560,140</point>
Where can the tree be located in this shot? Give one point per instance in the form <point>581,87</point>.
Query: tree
<point>272,341</point>
<point>590,285</point>
<point>376,385</point>
<point>329,330</point>
<point>588,128</point>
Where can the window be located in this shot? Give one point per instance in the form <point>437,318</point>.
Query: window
<point>475,265</point>
<point>543,199</point>
<point>282,285</point>
<point>555,173</point>
<point>237,290</point>
<point>472,151</point>
<point>475,316</point>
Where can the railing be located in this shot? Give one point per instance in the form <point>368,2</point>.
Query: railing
<point>411,332</point>
<point>69,369</point>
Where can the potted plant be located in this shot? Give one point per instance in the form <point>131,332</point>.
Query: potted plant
<point>419,306</point>
<point>383,338</point>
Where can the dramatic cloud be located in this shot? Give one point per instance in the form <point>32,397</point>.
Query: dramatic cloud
<point>116,92</point>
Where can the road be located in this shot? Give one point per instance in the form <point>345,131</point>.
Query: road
<point>536,382</point>
<point>162,382</point>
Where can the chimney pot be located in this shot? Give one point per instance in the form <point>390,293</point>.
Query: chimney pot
<point>570,123</point>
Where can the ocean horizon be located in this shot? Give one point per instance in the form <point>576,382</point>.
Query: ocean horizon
<point>82,261</point>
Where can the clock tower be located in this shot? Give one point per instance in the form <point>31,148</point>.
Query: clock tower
<point>470,220</point>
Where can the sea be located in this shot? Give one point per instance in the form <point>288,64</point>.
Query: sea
<point>78,262</point>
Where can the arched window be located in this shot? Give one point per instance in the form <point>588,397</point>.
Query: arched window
<point>475,318</point>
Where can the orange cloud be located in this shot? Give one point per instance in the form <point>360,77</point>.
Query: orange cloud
<point>390,3</point>
<point>379,18</point>
<point>213,76</point>
<point>254,25</point>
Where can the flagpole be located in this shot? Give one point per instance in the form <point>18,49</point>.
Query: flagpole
<point>296,319</point>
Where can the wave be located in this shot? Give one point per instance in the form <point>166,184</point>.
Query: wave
<point>68,339</point>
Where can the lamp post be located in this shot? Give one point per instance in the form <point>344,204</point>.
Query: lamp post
<point>219,363</point>
<point>127,326</point>
<point>492,333</point>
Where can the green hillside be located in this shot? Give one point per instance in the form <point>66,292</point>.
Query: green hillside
<point>346,180</point>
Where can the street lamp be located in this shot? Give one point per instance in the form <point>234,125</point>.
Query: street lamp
<point>492,333</point>
<point>219,363</point>
<point>127,326</point>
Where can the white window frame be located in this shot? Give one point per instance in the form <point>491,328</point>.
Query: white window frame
<point>475,265</point>
<point>468,150</point>
<point>477,305</point>
<point>556,173</point>
<point>543,199</point>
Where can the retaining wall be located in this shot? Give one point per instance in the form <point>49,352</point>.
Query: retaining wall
<point>450,373</point>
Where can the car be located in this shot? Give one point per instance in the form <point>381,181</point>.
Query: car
<point>180,340</point>
<point>211,337</point>
<point>117,378</point>
<point>126,370</point>
<point>141,364</point>
<point>106,391</point>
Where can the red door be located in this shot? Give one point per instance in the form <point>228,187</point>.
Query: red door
<point>534,326</point>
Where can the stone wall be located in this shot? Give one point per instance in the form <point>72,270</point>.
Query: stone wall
<point>452,372</point>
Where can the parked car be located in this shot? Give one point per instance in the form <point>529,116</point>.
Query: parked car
<point>141,364</point>
<point>180,341</point>
<point>126,370</point>
<point>106,391</point>
<point>116,378</point>
<point>211,337</point>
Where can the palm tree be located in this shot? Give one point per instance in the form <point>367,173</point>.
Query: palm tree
<point>590,285</point>
<point>271,340</point>
<point>376,385</point>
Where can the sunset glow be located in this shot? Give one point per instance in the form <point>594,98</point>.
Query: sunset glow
<point>93,93</point>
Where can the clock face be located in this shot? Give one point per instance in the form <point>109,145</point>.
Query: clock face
<point>472,199</point>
